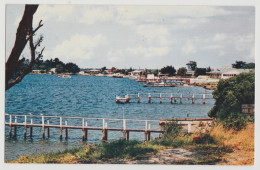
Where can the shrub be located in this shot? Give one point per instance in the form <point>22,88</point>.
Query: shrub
<point>235,121</point>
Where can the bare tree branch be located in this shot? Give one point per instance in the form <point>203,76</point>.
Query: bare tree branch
<point>24,34</point>
<point>25,72</point>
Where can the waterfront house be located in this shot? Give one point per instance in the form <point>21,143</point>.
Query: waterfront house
<point>36,71</point>
<point>52,71</point>
<point>233,72</point>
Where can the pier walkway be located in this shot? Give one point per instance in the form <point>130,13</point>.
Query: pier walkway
<point>85,124</point>
<point>171,96</point>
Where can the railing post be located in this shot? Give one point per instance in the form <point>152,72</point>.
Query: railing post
<point>171,98</point>
<point>104,131</point>
<point>43,128</point>
<point>124,129</point>
<point>145,133</point>
<point>160,97</point>
<point>15,127</point>
<point>138,98</point>
<point>204,99</point>
<point>86,131</point>
<point>60,127</point>
<point>66,129</point>
<point>149,97</point>
<point>192,98</point>
<point>10,125</point>
<point>83,129</point>
<point>48,129</point>
<point>25,127</point>
<point>31,128</point>
<point>181,99</point>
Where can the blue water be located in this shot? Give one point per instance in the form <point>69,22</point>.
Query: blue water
<point>89,96</point>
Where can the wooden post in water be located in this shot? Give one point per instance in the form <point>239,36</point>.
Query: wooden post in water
<point>181,99</point>
<point>83,129</point>
<point>192,98</point>
<point>48,129</point>
<point>10,126</point>
<point>149,98</point>
<point>160,97</point>
<point>60,128</point>
<point>66,130</point>
<point>127,135</point>
<point>145,133</point>
<point>204,99</point>
<point>15,128</point>
<point>149,133</point>
<point>104,131</point>
<point>25,126</point>
<point>124,129</point>
<point>43,129</point>
<point>31,128</point>
<point>138,98</point>
<point>171,98</point>
<point>86,131</point>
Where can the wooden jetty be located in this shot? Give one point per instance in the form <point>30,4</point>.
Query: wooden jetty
<point>171,96</point>
<point>62,123</point>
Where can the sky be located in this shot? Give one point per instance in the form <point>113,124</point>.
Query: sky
<point>93,36</point>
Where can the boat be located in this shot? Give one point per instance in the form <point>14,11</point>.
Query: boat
<point>64,76</point>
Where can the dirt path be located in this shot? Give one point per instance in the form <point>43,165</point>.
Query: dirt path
<point>166,157</point>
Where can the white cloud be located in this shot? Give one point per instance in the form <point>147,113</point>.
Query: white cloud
<point>139,52</point>
<point>77,47</point>
<point>97,14</point>
<point>55,12</point>
<point>242,42</point>
<point>188,48</point>
<point>156,34</point>
<point>220,37</point>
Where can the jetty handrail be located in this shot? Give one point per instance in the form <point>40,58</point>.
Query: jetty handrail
<point>69,117</point>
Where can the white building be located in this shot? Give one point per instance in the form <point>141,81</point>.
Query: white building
<point>233,72</point>
<point>52,71</point>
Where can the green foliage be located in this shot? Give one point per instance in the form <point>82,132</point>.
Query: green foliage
<point>239,64</point>
<point>236,121</point>
<point>230,95</point>
<point>243,65</point>
<point>56,63</point>
<point>126,149</point>
<point>182,71</point>
<point>200,71</point>
<point>192,65</point>
<point>168,70</point>
<point>72,68</point>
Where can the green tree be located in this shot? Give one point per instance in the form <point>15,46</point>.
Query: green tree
<point>200,71</point>
<point>231,94</point>
<point>72,68</point>
<point>192,65</point>
<point>168,70</point>
<point>59,68</point>
<point>239,64</point>
<point>208,69</point>
<point>182,71</point>
<point>249,66</point>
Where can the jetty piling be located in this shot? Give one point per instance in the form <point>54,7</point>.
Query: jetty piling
<point>31,128</point>
<point>48,129</point>
<point>43,129</point>
<point>10,125</point>
<point>25,126</point>
<point>60,127</point>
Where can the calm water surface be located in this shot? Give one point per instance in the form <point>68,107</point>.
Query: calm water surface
<point>88,96</point>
